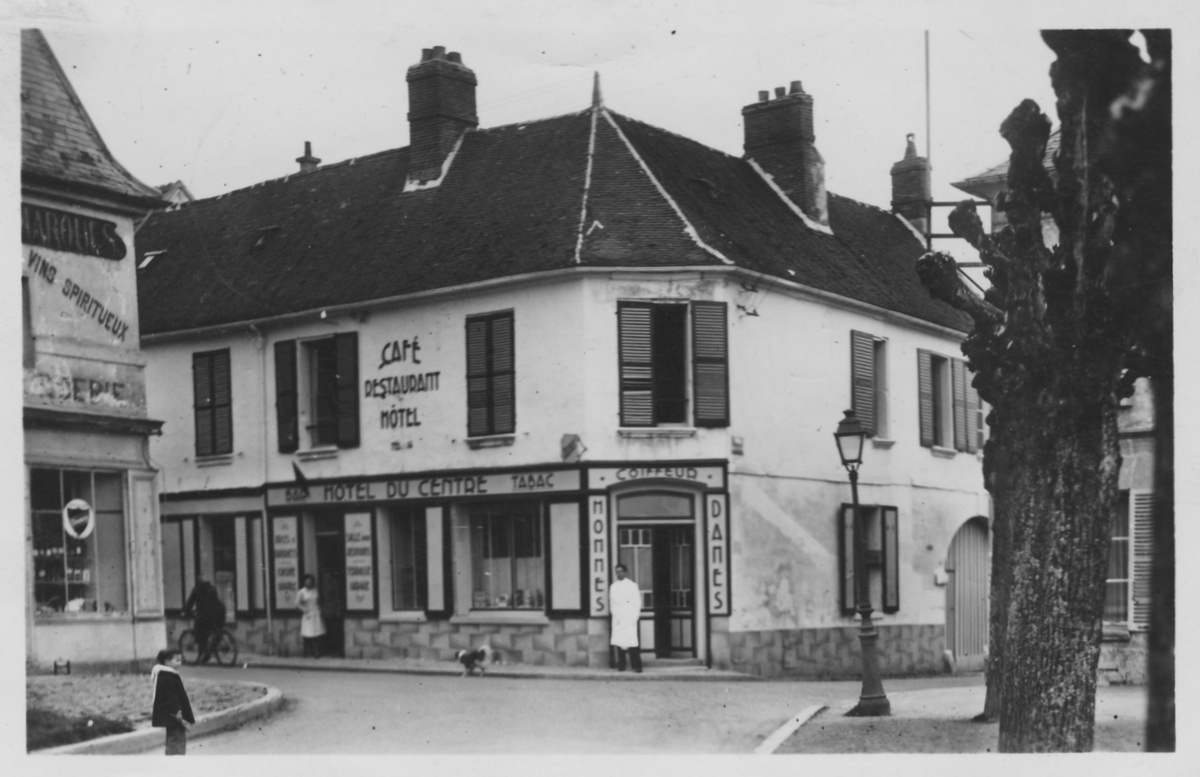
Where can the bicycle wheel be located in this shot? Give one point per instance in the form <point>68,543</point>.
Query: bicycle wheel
<point>189,646</point>
<point>225,648</point>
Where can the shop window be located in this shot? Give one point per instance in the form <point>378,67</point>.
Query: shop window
<point>948,404</point>
<point>654,350</point>
<point>882,558</point>
<point>80,568</point>
<point>223,549</point>
<point>507,560</point>
<point>317,389</point>
<point>409,575</point>
<point>868,382</point>
<point>212,403</point>
<point>491,395</point>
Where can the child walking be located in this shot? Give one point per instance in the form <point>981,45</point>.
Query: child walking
<point>171,709</point>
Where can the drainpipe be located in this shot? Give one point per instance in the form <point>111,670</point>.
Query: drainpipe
<point>266,519</point>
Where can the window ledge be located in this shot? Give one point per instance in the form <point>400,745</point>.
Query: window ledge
<point>503,618</point>
<point>492,441</point>
<point>315,454</point>
<point>220,460</point>
<point>945,453</point>
<point>657,433</point>
<point>76,617</point>
<point>1115,632</point>
<point>403,616</point>
<point>879,442</point>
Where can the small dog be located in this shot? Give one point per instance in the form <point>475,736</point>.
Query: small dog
<point>476,658</point>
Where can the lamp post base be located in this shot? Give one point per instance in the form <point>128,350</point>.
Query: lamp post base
<point>872,702</point>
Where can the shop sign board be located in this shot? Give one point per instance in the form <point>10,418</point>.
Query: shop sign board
<point>360,566</point>
<point>286,545</point>
<point>445,486</point>
<point>605,477</point>
<point>598,555</point>
<point>716,533</point>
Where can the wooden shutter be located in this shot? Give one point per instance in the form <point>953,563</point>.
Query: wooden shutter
<point>863,394</point>
<point>503,399</point>
<point>958,391</point>
<point>710,363</point>
<point>222,403</point>
<point>285,396</point>
<point>847,592</point>
<point>974,420</point>
<point>346,347</point>
<point>925,396</point>
<point>477,377</point>
<point>636,365</point>
<point>891,559</point>
<point>1141,532</point>
<point>203,402</point>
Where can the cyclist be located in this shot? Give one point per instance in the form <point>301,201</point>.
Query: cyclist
<point>209,615</point>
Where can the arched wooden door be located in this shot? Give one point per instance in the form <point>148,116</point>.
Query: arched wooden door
<point>967,595</point>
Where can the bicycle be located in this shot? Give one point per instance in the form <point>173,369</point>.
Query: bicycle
<point>222,646</point>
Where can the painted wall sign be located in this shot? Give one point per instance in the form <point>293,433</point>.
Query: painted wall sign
<point>492,484</point>
<point>716,534</point>
<point>603,477</point>
<point>360,565</point>
<point>70,232</point>
<point>79,297</point>
<point>395,388</point>
<point>286,542</point>
<point>598,555</point>
<point>79,519</point>
<point>91,384</point>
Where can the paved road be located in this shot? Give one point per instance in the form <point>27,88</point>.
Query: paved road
<point>341,712</point>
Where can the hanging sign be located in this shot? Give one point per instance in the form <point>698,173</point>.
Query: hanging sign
<point>716,532</point>
<point>79,519</point>
<point>597,537</point>
<point>286,544</point>
<point>360,568</point>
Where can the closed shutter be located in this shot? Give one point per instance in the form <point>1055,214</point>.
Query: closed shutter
<point>636,365</point>
<point>891,560</point>
<point>477,377</point>
<point>222,403</point>
<point>710,363</point>
<point>862,380</point>
<point>285,396</point>
<point>203,402</point>
<point>974,420</point>
<point>502,376</point>
<point>846,554</point>
<point>925,396</point>
<point>958,390</point>
<point>346,346</point>
<point>1141,521</point>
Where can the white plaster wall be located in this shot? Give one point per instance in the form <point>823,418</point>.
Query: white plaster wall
<point>98,639</point>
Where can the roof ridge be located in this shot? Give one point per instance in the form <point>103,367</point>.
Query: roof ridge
<point>285,178</point>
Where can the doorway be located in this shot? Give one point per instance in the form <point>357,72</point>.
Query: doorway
<point>656,543</point>
<point>967,596</point>
<point>330,574</point>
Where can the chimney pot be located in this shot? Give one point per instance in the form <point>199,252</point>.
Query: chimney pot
<point>779,91</point>
<point>796,88</point>
<point>455,57</point>
<point>439,52</point>
<point>764,96</point>
<point>308,162</point>
<point>426,55</point>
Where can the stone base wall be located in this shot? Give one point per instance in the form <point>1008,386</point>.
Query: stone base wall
<point>568,642</point>
<point>1123,659</point>
<point>828,654</point>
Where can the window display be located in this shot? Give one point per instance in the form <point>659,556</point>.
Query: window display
<point>507,560</point>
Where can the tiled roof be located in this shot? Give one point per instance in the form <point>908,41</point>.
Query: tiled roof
<point>59,143</point>
<point>992,180</point>
<point>512,202</point>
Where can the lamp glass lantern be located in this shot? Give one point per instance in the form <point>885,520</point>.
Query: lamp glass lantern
<point>850,436</point>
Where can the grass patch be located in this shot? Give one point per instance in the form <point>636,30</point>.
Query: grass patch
<point>47,728</point>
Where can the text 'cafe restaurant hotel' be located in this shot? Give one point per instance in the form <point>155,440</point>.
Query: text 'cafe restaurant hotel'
<point>421,567</point>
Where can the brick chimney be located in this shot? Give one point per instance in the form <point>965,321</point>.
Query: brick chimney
<point>779,137</point>
<point>441,107</point>
<point>911,188</point>
<point>308,162</point>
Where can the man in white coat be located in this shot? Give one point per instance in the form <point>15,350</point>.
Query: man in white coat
<point>625,604</point>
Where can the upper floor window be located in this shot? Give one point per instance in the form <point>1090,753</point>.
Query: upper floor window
<point>212,403</point>
<point>868,382</point>
<point>654,349</point>
<point>491,375</point>
<point>319,385</point>
<point>948,403</point>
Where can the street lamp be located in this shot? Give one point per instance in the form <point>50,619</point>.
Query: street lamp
<point>872,701</point>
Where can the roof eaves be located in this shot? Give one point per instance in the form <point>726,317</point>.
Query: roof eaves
<point>688,228</point>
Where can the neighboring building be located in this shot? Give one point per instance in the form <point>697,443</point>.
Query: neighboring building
<point>1127,606</point>
<point>93,578</point>
<point>175,193</point>
<point>458,381</point>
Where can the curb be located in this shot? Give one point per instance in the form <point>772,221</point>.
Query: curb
<point>771,743</point>
<point>149,738</point>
